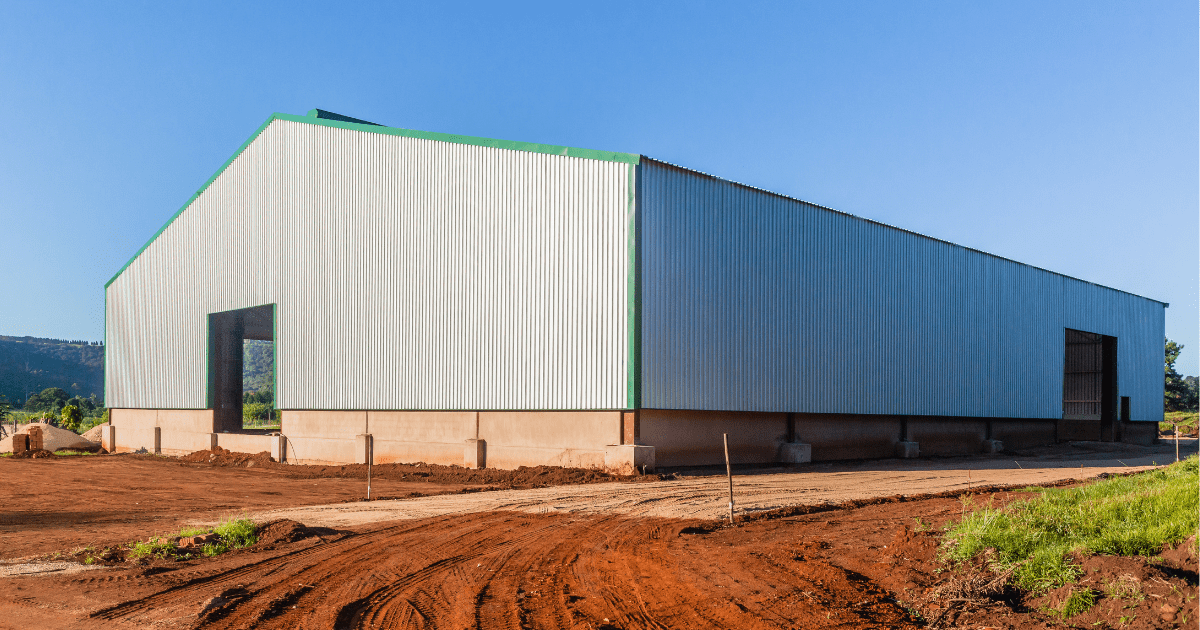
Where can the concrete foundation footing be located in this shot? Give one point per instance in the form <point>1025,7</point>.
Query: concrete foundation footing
<point>795,453</point>
<point>908,450</point>
<point>279,448</point>
<point>475,454</point>
<point>362,448</point>
<point>108,438</point>
<point>993,446</point>
<point>628,459</point>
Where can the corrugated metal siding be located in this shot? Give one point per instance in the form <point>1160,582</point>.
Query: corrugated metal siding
<point>407,273</point>
<point>755,302</point>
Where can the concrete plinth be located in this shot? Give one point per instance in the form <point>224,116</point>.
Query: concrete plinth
<point>362,448</point>
<point>628,459</point>
<point>908,450</point>
<point>993,446</point>
<point>279,448</point>
<point>475,454</point>
<point>108,439</point>
<point>795,453</point>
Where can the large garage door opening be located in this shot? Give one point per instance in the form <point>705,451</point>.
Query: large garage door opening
<point>241,368</point>
<point>1090,382</point>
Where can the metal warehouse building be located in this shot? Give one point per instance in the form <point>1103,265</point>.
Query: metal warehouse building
<point>461,300</point>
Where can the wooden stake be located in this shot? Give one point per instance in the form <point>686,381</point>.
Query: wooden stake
<point>729,474</point>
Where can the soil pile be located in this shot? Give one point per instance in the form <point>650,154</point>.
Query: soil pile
<point>53,439</point>
<point>94,434</point>
<point>277,533</point>
<point>487,478</point>
<point>226,458</point>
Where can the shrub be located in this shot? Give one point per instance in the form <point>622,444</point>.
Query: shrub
<point>71,417</point>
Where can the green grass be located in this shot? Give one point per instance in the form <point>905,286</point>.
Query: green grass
<point>1182,418</point>
<point>237,532</point>
<point>152,549</point>
<point>1078,602</point>
<point>233,533</point>
<point>1129,515</point>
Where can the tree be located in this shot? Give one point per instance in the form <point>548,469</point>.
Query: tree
<point>1178,395</point>
<point>51,399</point>
<point>71,417</point>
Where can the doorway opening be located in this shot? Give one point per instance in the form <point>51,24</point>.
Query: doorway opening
<point>241,362</point>
<point>1090,382</point>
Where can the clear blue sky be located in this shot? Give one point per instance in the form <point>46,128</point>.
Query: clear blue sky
<point>1062,134</point>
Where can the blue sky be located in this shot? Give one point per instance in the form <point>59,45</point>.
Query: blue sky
<point>1061,134</point>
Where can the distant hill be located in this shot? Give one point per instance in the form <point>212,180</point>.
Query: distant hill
<point>31,364</point>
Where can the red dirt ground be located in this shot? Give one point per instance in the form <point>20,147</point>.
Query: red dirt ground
<point>62,502</point>
<point>866,565</point>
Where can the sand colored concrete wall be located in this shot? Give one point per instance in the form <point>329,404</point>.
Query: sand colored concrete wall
<point>178,443</point>
<point>183,431</point>
<point>693,438</point>
<point>244,442</point>
<point>554,438</point>
<point>512,438</point>
<point>433,437</point>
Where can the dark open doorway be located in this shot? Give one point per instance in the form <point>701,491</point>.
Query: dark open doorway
<point>227,333</point>
<point>1090,391</point>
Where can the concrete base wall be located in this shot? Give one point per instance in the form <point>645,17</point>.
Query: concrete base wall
<point>834,436</point>
<point>693,438</point>
<point>511,438</point>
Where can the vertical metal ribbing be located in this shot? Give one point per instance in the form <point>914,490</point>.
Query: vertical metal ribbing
<point>756,302</point>
<point>407,273</point>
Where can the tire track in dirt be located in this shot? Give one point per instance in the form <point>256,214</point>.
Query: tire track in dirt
<point>514,570</point>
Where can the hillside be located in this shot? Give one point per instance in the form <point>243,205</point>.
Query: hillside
<point>31,364</point>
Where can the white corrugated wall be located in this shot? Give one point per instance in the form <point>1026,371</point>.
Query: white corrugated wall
<point>755,302</point>
<point>407,273</point>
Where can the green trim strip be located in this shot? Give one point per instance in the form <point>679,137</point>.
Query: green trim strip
<point>633,379</point>
<point>549,149</point>
<point>512,145</point>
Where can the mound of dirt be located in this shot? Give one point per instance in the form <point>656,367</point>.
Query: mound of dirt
<point>493,478</point>
<point>95,432</point>
<point>523,477</point>
<point>53,439</point>
<point>40,453</point>
<point>218,456</point>
<point>287,531</point>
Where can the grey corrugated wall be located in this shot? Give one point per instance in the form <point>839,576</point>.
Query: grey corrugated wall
<point>408,273</point>
<point>755,302</point>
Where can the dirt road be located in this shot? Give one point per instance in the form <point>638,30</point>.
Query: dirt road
<point>62,503</point>
<point>706,497</point>
<point>865,567</point>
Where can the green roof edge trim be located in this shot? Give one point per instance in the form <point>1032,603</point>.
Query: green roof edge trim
<point>531,147</point>
<point>512,145</point>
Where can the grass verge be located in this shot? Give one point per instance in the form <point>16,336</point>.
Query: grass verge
<point>1124,516</point>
